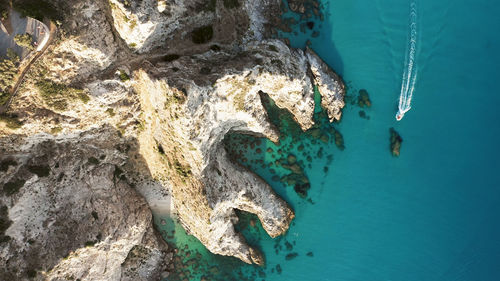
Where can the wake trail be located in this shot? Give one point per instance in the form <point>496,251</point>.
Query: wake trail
<point>410,69</point>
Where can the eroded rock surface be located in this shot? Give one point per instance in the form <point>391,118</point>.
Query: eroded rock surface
<point>209,95</point>
<point>73,214</point>
<point>162,129</point>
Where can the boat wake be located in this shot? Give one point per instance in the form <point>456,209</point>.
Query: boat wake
<point>410,69</point>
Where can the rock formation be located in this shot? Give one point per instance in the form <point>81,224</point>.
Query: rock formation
<point>208,103</point>
<point>72,213</point>
<point>161,129</point>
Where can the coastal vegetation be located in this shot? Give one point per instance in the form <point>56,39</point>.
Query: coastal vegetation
<point>202,34</point>
<point>37,9</point>
<point>24,40</point>
<point>39,170</point>
<point>8,70</point>
<point>124,76</point>
<point>5,222</point>
<point>170,57</point>
<point>13,186</point>
<point>229,4</point>
<point>11,121</point>
<point>57,95</point>
<point>4,9</point>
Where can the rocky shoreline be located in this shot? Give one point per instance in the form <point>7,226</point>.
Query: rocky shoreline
<point>186,82</point>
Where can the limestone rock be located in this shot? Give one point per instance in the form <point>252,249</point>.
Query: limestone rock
<point>329,84</point>
<point>74,216</point>
<point>170,120</point>
<point>87,46</point>
<point>225,97</point>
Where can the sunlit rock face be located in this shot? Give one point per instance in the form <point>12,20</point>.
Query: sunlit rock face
<point>164,82</point>
<point>71,213</point>
<point>191,103</point>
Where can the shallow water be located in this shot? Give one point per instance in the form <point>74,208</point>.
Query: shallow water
<point>431,214</point>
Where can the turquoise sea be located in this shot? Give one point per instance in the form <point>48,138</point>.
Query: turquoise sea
<point>431,214</point>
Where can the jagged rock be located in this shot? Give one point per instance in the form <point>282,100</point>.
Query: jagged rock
<point>74,217</point>
<point>329,84</point>
<point>207,186</point>
<point>177,111</point>
<point>395,141</point>
<point>88,44</point>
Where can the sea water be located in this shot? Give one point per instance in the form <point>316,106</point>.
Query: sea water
<point>431,214</point>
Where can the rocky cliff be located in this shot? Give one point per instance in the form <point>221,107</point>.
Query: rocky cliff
<point>71,212</point>
<point>133,101</point>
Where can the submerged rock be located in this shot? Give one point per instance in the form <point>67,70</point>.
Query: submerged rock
<point>363,115</point>
<point>339,140</point>
<point>364,99</point>
<point>291,256</point>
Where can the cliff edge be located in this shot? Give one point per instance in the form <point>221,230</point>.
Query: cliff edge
<point>132,102</point>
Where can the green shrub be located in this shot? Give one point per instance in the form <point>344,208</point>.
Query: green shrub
<point>211,5</point>
<point>8,70</point>
<point>56,130</point>
<point>4,165</point>
<point>11,121</point>
<point>5,222</point>
<point>4,9</point>
<point>111,112</point>
<point>170,57</point>
<point>93,160</point>
<point>37,9</point>
<point>183,171</point>
<point>124,76</point>
<point>24,40</point>
<point>202,34</point>
<point>57,95</point>
<point>12,187</point>
<point>4,97</point>
<point>272,48</point>
<point>31,273</point>
<point>229,4</point>
<point>40,171</point>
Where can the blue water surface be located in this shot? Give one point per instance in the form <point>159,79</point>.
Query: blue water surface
<point>434,212</point>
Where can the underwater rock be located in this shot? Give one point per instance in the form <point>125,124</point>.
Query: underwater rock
<point>396,141</point>
<point>320,153</point>
<point>291,256</point>
<point>324,138</point>
<point>364,99</point>
<point>310,254</point>
<point>363,115</point>
<point>339,140</point>
<point>315,133</point>
<point>278,268</point>
<point>301,189</point>
<point>291,159</point>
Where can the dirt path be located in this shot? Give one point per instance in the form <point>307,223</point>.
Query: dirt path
<point>25,70</point>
